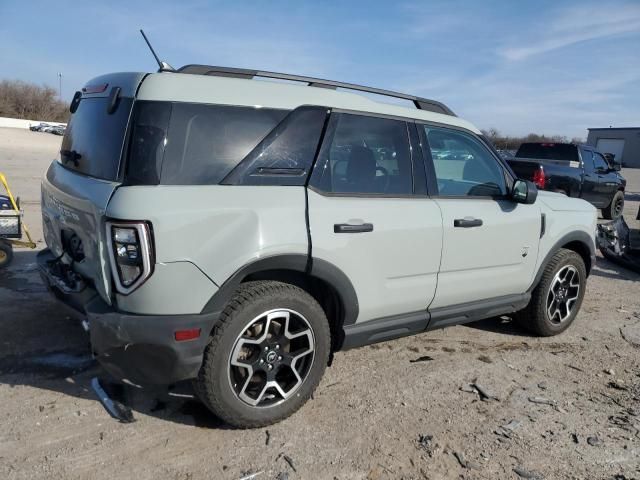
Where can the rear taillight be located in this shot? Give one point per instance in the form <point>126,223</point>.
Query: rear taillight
<point>539,178</point>
<point>131,254</point>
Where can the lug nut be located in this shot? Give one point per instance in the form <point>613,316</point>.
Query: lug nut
<point>279,358</point>
<point>266,348</point>
<point>270,367</point>
<point>277,347</point>
<point>261,361</point>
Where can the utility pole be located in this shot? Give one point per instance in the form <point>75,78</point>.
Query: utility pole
<point>60,85</point>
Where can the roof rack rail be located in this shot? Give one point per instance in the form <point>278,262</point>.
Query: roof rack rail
<point>419,102</point>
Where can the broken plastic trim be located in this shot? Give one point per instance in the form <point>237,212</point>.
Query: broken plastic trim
<point>615,244</point>
<point>114,408</point>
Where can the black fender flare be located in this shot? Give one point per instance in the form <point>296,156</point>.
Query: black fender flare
<point>578,236</point>
<point>316,267</point>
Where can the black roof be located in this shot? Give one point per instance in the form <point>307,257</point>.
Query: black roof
<point>419,102</point>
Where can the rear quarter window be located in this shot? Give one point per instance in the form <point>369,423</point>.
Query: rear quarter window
<point>205,142</point>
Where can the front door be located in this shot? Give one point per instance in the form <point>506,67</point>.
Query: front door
<point>589,190</point>
<point>607,180</point>
<point>366,219</point>
<point>490,242</point>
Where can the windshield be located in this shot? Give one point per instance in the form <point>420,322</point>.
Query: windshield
<point>548,151</point>
<point>92,143</point>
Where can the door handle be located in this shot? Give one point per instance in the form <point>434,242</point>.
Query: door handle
<point>352,228</point>
<point>467,222</point>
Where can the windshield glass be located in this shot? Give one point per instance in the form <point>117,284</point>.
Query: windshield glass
<point>92,143</point>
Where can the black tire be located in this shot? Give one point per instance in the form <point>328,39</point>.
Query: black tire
<point>6,254</point>
<point>252,300</point>
<point>615,208</point>
<point>535,317</point>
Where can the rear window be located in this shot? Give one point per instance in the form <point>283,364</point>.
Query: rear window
<point>92,143</point>
<point>548,151</point>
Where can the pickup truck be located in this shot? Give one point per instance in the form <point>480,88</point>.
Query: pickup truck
<point>575,170</point>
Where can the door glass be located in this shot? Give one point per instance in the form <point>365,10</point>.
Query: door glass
<point>365,155</point>
<point>599,162</point>
<point>463,165</point>
<point>587,159</point>
<point>285,156</point>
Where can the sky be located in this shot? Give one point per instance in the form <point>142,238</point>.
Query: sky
<point>551,67</point>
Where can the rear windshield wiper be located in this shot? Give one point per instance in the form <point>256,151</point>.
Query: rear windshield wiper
<point>70,156</point>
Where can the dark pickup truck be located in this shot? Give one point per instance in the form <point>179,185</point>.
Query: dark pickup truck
<point>575,170</point>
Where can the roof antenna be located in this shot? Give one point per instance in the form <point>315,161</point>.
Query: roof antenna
<point>164,66</point>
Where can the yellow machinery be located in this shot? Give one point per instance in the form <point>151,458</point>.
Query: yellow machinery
<point>11,225</point>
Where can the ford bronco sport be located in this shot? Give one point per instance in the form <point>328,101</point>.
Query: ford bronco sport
<point>210,226</point>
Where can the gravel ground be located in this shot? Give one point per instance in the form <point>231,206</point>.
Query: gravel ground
<point>566,407</point>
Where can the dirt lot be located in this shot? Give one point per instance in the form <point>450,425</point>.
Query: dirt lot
<point>378,412</point>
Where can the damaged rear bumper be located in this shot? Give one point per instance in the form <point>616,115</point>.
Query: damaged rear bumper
<point>141,349</point>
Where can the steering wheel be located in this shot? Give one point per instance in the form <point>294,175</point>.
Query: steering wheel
<point>385,175</point>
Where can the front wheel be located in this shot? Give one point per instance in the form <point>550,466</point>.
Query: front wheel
<point>266,356</point>
<point>615,208</point>
<point>557,298</point>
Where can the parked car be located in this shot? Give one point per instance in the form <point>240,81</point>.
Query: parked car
<point>250,229</point>
<point>575,170</point>
<point>58,130</point>
<point>39,127</point>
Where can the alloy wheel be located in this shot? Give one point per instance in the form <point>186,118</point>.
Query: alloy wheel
<point>271,358</point>
<point>563,294</point>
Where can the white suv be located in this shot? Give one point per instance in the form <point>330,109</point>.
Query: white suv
<point>214,227</point>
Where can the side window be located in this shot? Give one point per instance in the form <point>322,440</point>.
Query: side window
<point>205,142</point>
<point>147,144</point>
<point>285,156</point>
<point>463,165</point>
<point>366,155</point>
<point>599,162</point>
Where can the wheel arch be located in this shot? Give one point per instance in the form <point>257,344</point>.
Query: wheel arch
<point>325,282</point>
<point>579,242</point>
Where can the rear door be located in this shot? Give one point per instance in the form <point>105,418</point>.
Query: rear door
<point>490,243</point>
<point>368,218</point>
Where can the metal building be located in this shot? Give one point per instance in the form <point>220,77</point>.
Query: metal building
<point>624,143</point>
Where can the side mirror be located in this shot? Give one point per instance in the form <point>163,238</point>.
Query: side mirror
<point>524,191</point>
<point>617,166</point>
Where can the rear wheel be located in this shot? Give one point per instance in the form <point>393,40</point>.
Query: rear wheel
<point>6,253</point>
<point>266,356</point>
<point>615,208</point>
<point>557,298</point>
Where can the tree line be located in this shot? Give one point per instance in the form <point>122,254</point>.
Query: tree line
<point>20,99</point>
<point>505,142</point>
